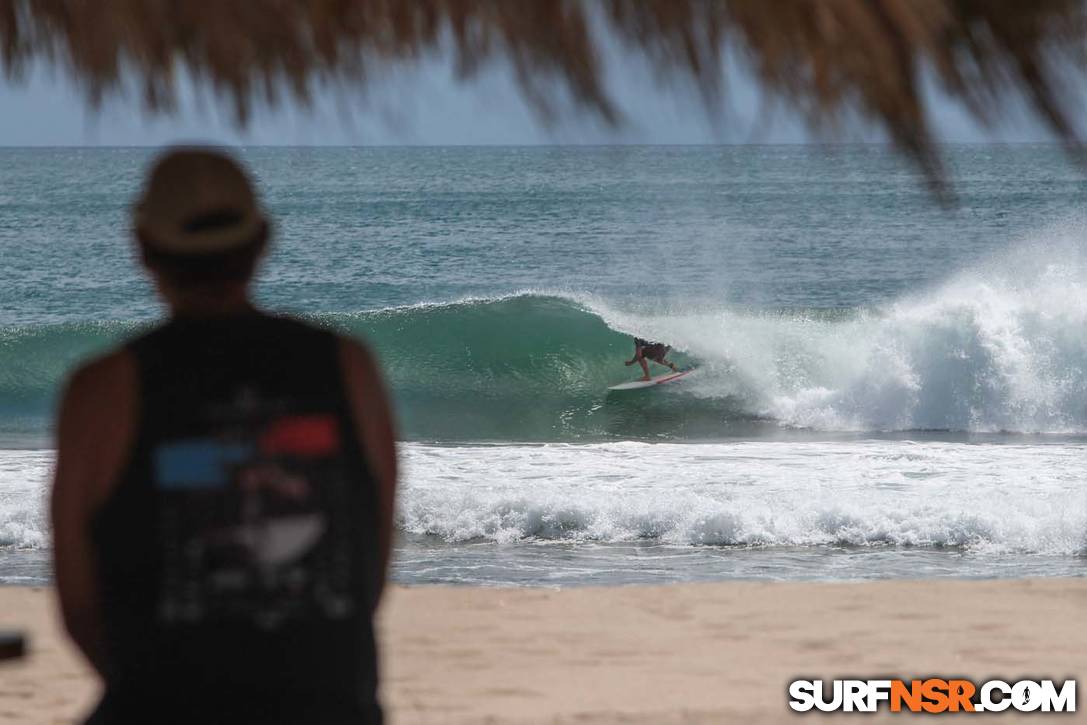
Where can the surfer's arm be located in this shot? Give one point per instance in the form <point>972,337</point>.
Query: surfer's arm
<point>95,423</point>
<point>370,406</point>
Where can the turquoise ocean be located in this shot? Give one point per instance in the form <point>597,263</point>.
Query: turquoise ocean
<point>886,387</point>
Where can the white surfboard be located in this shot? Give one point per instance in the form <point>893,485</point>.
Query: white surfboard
<point>659,380</point>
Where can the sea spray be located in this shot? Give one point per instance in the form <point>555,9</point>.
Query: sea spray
<point>999,348</point>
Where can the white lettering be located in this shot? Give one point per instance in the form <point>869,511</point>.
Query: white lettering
<point>854,695</point>
<point>878,690</point>
<point>1063,701</point>
<point>988,704</point>
<point>802,693</point>
<point>1026,696</point>
<point>835,702</point>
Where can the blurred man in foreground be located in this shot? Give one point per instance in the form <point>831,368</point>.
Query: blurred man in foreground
<point>222,508</point>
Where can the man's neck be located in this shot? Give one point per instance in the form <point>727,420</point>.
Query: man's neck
<point>204,305</point>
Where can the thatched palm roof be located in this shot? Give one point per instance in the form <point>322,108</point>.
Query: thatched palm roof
<point>823,56</point>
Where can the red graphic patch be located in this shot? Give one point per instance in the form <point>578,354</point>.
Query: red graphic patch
<point>310,435</point>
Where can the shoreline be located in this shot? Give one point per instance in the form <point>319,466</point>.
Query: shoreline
<point>714,652</point>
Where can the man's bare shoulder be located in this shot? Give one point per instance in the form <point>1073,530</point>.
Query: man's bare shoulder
<point>95,429</point>
<point>357,357</point>
<point>98,405</point>
<point>105,376</point>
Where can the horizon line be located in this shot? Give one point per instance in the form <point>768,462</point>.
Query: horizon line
<point>817,144</point>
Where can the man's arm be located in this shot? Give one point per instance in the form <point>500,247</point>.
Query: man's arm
<point>93,429</point>
<point>370,405</point>
<point>637,355</point>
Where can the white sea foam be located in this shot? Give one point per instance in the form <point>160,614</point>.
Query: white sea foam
<point>999,348</point>
<point>992,497</point>
<point>565,513</point>
<point>997,498</point>
<point>23,477</point>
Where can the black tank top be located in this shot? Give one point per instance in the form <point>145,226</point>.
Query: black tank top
<point>238,553</point>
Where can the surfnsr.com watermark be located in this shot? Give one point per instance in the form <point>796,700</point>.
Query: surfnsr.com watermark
<point>932,695</point>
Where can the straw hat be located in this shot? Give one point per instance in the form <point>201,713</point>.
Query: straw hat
<point>198,202</point>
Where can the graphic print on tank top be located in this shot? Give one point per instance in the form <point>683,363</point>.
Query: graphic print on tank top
<point>253,515</point>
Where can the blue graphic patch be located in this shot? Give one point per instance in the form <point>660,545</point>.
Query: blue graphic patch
<point>197,463</point>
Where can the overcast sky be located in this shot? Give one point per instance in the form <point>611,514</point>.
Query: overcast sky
<point>425,105</point>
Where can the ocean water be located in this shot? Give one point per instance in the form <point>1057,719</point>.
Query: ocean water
<point>885,387</point>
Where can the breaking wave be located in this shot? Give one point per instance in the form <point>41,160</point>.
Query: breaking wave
<point>999,349</point>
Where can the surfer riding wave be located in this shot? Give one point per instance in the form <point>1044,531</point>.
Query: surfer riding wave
<point>646,350</point>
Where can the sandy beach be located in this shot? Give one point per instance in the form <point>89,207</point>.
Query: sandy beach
<point>680,653</point>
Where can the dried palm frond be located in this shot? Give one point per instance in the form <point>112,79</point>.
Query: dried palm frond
<point>823,56</point>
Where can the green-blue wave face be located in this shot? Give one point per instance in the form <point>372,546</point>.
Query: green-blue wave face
<point>524,368</point>
<point>527,368</point>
